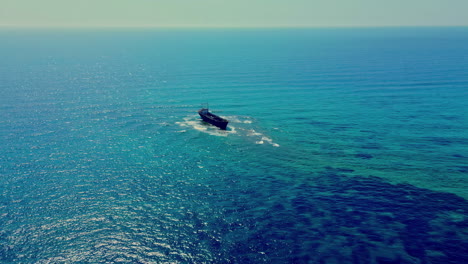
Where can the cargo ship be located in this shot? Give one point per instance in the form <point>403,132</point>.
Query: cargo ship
<point>212,118</point>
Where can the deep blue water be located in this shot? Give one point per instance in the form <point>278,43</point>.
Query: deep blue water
<point>344,146</point>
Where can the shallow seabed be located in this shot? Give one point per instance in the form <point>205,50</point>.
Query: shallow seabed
<point>344,146</point>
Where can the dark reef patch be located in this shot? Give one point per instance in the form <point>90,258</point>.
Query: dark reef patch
<point>364,156</point>
<point>342,219</point>
<point>338,170</point>
<point>371,146</point>
<point>442,141</point>
<point>462,168</point>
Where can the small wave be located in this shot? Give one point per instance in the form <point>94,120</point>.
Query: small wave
<point>263,138</point>
<point>239,119</point>
<point>252,132</point>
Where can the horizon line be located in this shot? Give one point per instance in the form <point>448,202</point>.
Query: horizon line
<point>224,27</point>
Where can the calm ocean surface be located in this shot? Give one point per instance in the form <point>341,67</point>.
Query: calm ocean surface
<point>344,146</point>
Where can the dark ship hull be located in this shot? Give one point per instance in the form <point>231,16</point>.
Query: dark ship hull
<point>212,118</point>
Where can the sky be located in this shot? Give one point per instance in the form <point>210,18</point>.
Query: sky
<point>232,13</point>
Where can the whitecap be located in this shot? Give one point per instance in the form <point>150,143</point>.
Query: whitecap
<point>206,128</point>
<point>237,119</point>
<point>263,138</point>
<point>233,119</point>
<point>253,133</point>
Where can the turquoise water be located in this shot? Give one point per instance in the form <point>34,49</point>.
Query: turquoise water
<point>344,146</point>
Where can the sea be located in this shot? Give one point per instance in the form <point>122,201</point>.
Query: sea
<point>344,145</point>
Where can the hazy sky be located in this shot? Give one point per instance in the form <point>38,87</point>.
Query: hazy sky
<point>232,13</point>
